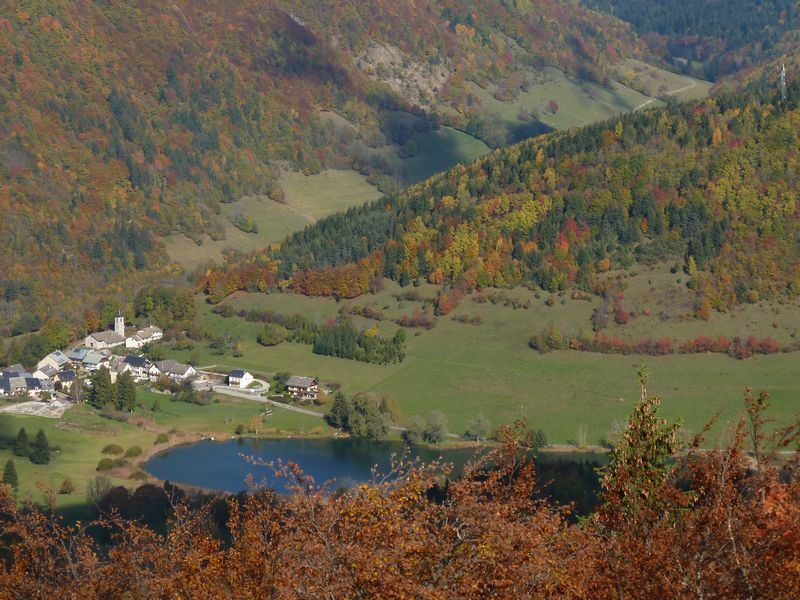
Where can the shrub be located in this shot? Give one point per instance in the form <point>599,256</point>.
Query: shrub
<point>139,475</point>
<point>67,487</point>
<point>161,438</point>
<point>105,464</point>
<point>239,429</point>
<point>113,449</point>
<point>120,462</point>
<point>133,451</point>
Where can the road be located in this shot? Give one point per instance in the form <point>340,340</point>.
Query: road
<point>228,391</point>
<point>672,93</point>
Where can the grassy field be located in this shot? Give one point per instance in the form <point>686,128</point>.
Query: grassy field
<point>579,102</point>
<point>308,198</point>
<point>464,369</point>
<point>656,82</point>
<point>81,435</point>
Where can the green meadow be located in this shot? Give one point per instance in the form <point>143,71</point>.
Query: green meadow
<point>656,82</point>
<point>578,102</point>
<point>81,434</point>
<point>576,397</point>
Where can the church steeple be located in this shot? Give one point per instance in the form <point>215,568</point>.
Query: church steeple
<point>119,323</point>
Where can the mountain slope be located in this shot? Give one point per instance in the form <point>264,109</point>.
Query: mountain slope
<point>123,121</point>
<point>712,184</point>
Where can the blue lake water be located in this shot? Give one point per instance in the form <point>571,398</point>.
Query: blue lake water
<point>345,462</point>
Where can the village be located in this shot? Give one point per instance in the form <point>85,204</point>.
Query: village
<point>50,388</point>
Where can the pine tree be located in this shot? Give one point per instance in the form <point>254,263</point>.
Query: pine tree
<point>22,447</point>
<point>10,475</point>
<point>102,389</point>
<point>40,454</point>
<point>340,411</point>
<point>125,396</point>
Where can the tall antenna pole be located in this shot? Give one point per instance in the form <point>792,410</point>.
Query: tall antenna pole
<point>783,82</point>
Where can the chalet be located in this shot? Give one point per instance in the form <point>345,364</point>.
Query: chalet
<point>63,380</point>
<point>117,367</point>
<point>172,369</point>
<point>94,360</point>
<point>302,388</point>
<point>108,339</point>
<point>144,336</point>
<point>46,371</point>
<point>139,367</point>
<point>16,371</point>
<point>76,355</point>
<point>239,378</point>
<point>31,385</point>
<point>57,360</point>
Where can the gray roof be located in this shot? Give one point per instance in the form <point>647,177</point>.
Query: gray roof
<point>68,375</point>
<point>48,370</point>
<point>16,370</point>
<point>94,358</point>
<point>237,373</point>
<point>300,382</point>
<point>5,385</point>
<point>108,337</point>
<point>60,358</point>
<point>77,354</point>
<point>136,362</point>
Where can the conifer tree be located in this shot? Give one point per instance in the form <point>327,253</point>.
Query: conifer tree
<point>22,447</point>
<point>102,388</point>
<point>125,396</point>
<point>40,453</point>
<point>10,475</point>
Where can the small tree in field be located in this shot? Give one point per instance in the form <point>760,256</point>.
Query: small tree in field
<point>10,475</point>
<point>22,446</point>
<point>40,452</point>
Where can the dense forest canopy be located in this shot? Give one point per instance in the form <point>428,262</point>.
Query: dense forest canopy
<point>123,121</point>
<point>713,185</point>
<point>725,35</point>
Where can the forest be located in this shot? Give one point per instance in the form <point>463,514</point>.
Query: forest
<point>725,36</point>
<point>717,523</point>
<point>122,122</point>
<point>713,184</point>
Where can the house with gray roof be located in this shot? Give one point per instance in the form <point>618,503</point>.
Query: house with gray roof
<point>104,339</point>
<point>76,355</point>
<point>302,388</point>
<point>172,369</point>
<point>58,360</point>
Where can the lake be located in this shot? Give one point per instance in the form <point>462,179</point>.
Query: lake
<point>565,477</point>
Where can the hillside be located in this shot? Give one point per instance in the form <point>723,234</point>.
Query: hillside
<point>715,37</point>
<point>122,122</point>
<point>712,186</point>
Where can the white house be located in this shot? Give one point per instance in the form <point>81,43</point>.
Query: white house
<point>239,378</point>
<point>103,340</point>
<point>305,388</point>
<point>108,339</point>
<point>64,380</point>
<point>94,360</point>
<point>45,371</point>
<point>144,336</point>
<point>172,369</point>
<point>139,367</point>
<point>56,360</point>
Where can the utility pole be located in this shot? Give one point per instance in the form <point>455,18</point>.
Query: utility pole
<point>783,82</point>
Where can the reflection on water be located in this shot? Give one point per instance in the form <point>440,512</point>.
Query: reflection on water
<point>348,462</point>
